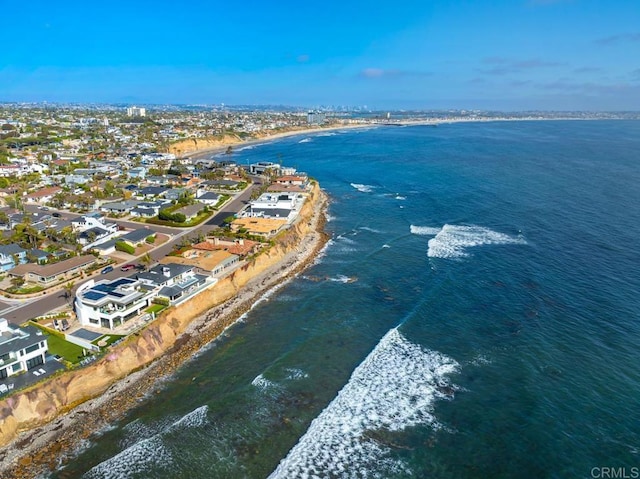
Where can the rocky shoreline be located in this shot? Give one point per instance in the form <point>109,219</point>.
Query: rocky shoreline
<point>47,447</point>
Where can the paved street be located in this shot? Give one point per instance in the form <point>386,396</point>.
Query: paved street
<point>18,313</point>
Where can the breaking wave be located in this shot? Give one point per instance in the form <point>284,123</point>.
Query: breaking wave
<point>362,188</point>
<point>395,387</point>
<point>263,383</point>
<point>146,453</point>
<point>452,241</point>
<point>424,230</point>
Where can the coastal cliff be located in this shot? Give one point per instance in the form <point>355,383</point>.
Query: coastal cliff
<point>154,351</point>
<point>190,145</point>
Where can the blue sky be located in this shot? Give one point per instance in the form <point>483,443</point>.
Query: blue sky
<point>425,54</point>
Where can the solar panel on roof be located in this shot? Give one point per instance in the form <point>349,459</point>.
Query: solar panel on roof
<point>107,288</point>
<point>94,295</point>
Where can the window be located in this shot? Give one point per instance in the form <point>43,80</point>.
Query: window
<point>32,348</point>
<point>33,362</point>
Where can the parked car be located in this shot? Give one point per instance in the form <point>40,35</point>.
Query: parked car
<point>127,267</point>
<point>55,215</point>
<point>106,270</point>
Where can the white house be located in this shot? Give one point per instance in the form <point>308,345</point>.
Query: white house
<point>93,229</point>
<point>207,197</point>
<point>272,206</point>
<point>109,304</point>
<point>138,172</point>
<point>173,280</point>
<point>93,220</point>
<point>21,349</point>
<point>275,200</point>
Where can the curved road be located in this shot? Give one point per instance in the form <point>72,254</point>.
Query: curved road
<point>18,314</point>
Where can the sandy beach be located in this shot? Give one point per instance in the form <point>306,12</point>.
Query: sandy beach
<point>45,447</point>
<point>222,146</point>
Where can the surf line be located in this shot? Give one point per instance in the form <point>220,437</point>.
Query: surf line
<point>395,387</point>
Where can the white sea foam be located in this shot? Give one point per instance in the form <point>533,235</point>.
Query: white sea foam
<point>370,230</point>
<point>453,240</point>
<point>346,240</point>
<point>135,460</point>
<point>395,387</point>
<point>398,197</point>
<point>480,360</point>
<point>249,147</point>
<point>386,246</point>
<point>342,279</point>
<point>305,140</point>
<point>424,230</point>
<point>265,297</point>
<point>196,418</point>
<point>323,252</point>
<point>294,374</point>
<point>327,134</point>
<point>263,383</point>
<point>362,188</point>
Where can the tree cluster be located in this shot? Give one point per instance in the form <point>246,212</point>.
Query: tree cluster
<point>168,216</point>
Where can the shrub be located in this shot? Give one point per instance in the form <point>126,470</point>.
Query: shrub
<point>168,216</point>
<point>160,300</point>
<point>151,239</point>
<point>125,247</point>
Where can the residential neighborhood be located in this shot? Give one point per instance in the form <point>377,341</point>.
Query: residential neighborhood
<point>103,226</point>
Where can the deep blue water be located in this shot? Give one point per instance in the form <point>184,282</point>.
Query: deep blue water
<point>475,315</point>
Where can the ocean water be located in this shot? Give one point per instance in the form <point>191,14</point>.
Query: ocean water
<point>474,315</point>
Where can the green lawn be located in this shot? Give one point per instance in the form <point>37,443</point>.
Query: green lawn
<point>69,351</point>
<point>155,308</point>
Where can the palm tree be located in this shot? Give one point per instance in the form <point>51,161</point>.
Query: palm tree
<point>68,289</point>
<point>146,260</point>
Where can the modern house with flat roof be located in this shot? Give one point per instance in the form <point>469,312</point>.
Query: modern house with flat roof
<point>259,226</point>
<point>273,206</point>
<point>263,166</point>
<point>209,263</point>
<point>172,280</point>
<point>111,303</point>
<point>21,349</point>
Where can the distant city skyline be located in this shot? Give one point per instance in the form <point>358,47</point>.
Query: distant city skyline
<point>501,55</point>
